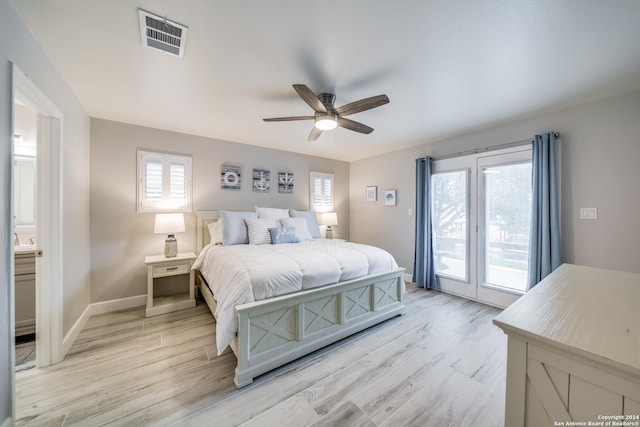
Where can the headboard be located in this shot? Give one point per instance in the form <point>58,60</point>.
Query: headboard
<point>203,219</point>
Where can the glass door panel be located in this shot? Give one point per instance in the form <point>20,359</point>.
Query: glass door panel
<point>507,220</point>
<point>450,207</point>
<point>453,219</point>
<point>504,182</point>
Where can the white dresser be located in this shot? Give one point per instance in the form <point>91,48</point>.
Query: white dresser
<point>574,350</point>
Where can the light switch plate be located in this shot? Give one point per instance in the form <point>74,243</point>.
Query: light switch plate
<point>588,213</point>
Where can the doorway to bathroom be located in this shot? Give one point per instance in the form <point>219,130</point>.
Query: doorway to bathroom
<point>25,242</point>
<point>37,217</point>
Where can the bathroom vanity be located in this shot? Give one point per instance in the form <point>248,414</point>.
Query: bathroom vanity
<point>25,289</point>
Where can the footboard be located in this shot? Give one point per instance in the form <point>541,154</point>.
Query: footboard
<point>276,331</point>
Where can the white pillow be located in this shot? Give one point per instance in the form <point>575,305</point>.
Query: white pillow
<point>312,221</point>
<point>300,224</point>
<point>272,213</point>
<point>234,229</point>
<point>215,232</point>
<point>259,230</point>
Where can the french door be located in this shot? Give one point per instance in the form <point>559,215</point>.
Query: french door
<point>481,221</point>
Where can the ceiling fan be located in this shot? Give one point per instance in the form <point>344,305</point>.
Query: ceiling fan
<point>327,116</point>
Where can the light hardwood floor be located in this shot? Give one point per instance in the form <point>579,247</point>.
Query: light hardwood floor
<point>25,353</point>
<point>442,364</point>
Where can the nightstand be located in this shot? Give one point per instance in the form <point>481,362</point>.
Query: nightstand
<point>159,266</point>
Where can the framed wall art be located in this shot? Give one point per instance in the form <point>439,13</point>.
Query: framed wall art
<point>261,180</point>
<point>389,197</point>
<point>371,193</point>
<point>230,177</point>
<point>285,182</point>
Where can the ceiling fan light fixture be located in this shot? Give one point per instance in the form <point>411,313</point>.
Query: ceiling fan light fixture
<point>327,117</point>
<point>326,121</point>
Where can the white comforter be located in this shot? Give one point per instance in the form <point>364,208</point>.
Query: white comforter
<point>240,274</point>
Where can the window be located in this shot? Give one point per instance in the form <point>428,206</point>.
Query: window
<point>164,182</point>
<point>321,191</point>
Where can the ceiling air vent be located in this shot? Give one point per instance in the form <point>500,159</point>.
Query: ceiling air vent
<point>162,34</point>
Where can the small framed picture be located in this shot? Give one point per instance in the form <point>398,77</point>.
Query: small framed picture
<point>285,182</point>
<point>230,177</point>
<point>389,197</point>
<point>371,193</point>
<point>261,180</point>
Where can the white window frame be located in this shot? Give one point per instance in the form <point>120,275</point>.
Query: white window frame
<point>165,205</point>
<point>322,207</point>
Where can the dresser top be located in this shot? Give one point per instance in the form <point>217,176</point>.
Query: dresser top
<point>582,309</point>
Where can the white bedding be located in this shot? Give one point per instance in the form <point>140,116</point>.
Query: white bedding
<point>239,274</point>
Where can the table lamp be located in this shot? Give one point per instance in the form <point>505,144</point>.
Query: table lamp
<point>169,224</point>
<point>329,219</point>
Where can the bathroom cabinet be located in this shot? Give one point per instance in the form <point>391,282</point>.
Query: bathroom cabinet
<point>25,291</point>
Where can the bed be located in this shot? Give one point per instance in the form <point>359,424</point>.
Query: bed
<point>269,333</point>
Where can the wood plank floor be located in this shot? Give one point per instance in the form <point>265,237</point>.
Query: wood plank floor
<point>442,364</point>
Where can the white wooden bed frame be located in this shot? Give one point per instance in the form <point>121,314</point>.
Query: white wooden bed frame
<point>276,331</point>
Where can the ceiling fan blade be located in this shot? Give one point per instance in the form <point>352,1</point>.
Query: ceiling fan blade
<point>288,119</point>
<point>362,105</point>
<point>310,98</point>
<point>355,126</point>
<point>315,134</point>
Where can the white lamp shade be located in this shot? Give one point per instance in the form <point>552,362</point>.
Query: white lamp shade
<point>329,218</point>
<point>169,223</point>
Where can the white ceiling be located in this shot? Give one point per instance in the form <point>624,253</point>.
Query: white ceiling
<point>448,67</point>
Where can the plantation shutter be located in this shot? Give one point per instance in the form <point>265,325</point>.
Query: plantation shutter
<point>164,182</point>
<point>321,191</point>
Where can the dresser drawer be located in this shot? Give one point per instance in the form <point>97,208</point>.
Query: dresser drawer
<point>170,270</point>
<point>25,265</point>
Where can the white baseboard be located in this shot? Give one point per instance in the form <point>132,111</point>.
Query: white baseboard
<point>25,327</point>
<point>99,308</point>
<point>70,338</point>
<point>118,304</point>
<point>407,277</point>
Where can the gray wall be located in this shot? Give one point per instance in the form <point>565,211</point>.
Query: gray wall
<point>18,46</point>
<point>121,238</point>
<point>599,168</point>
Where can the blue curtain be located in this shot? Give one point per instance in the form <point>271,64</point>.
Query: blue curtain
<point>424,273</point>
<point>544,246</point>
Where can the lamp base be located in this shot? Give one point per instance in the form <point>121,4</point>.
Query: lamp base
<point>170,246</point>
<point>329,233</point>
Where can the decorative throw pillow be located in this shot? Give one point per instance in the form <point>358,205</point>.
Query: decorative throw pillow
<point>215,232</point>
<point>283,235</point>
<point>272,213</point>
<point>258,230</point>
<point>300,224</point>
<point>234,229</point>
<point>312,221</point>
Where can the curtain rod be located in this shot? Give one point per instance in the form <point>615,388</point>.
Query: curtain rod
<point>487,149</point>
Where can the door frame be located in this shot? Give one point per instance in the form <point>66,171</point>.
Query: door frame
<point>473,288</point>
<point>49,293</point>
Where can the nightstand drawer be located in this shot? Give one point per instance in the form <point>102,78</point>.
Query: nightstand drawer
<point>170,270</point>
